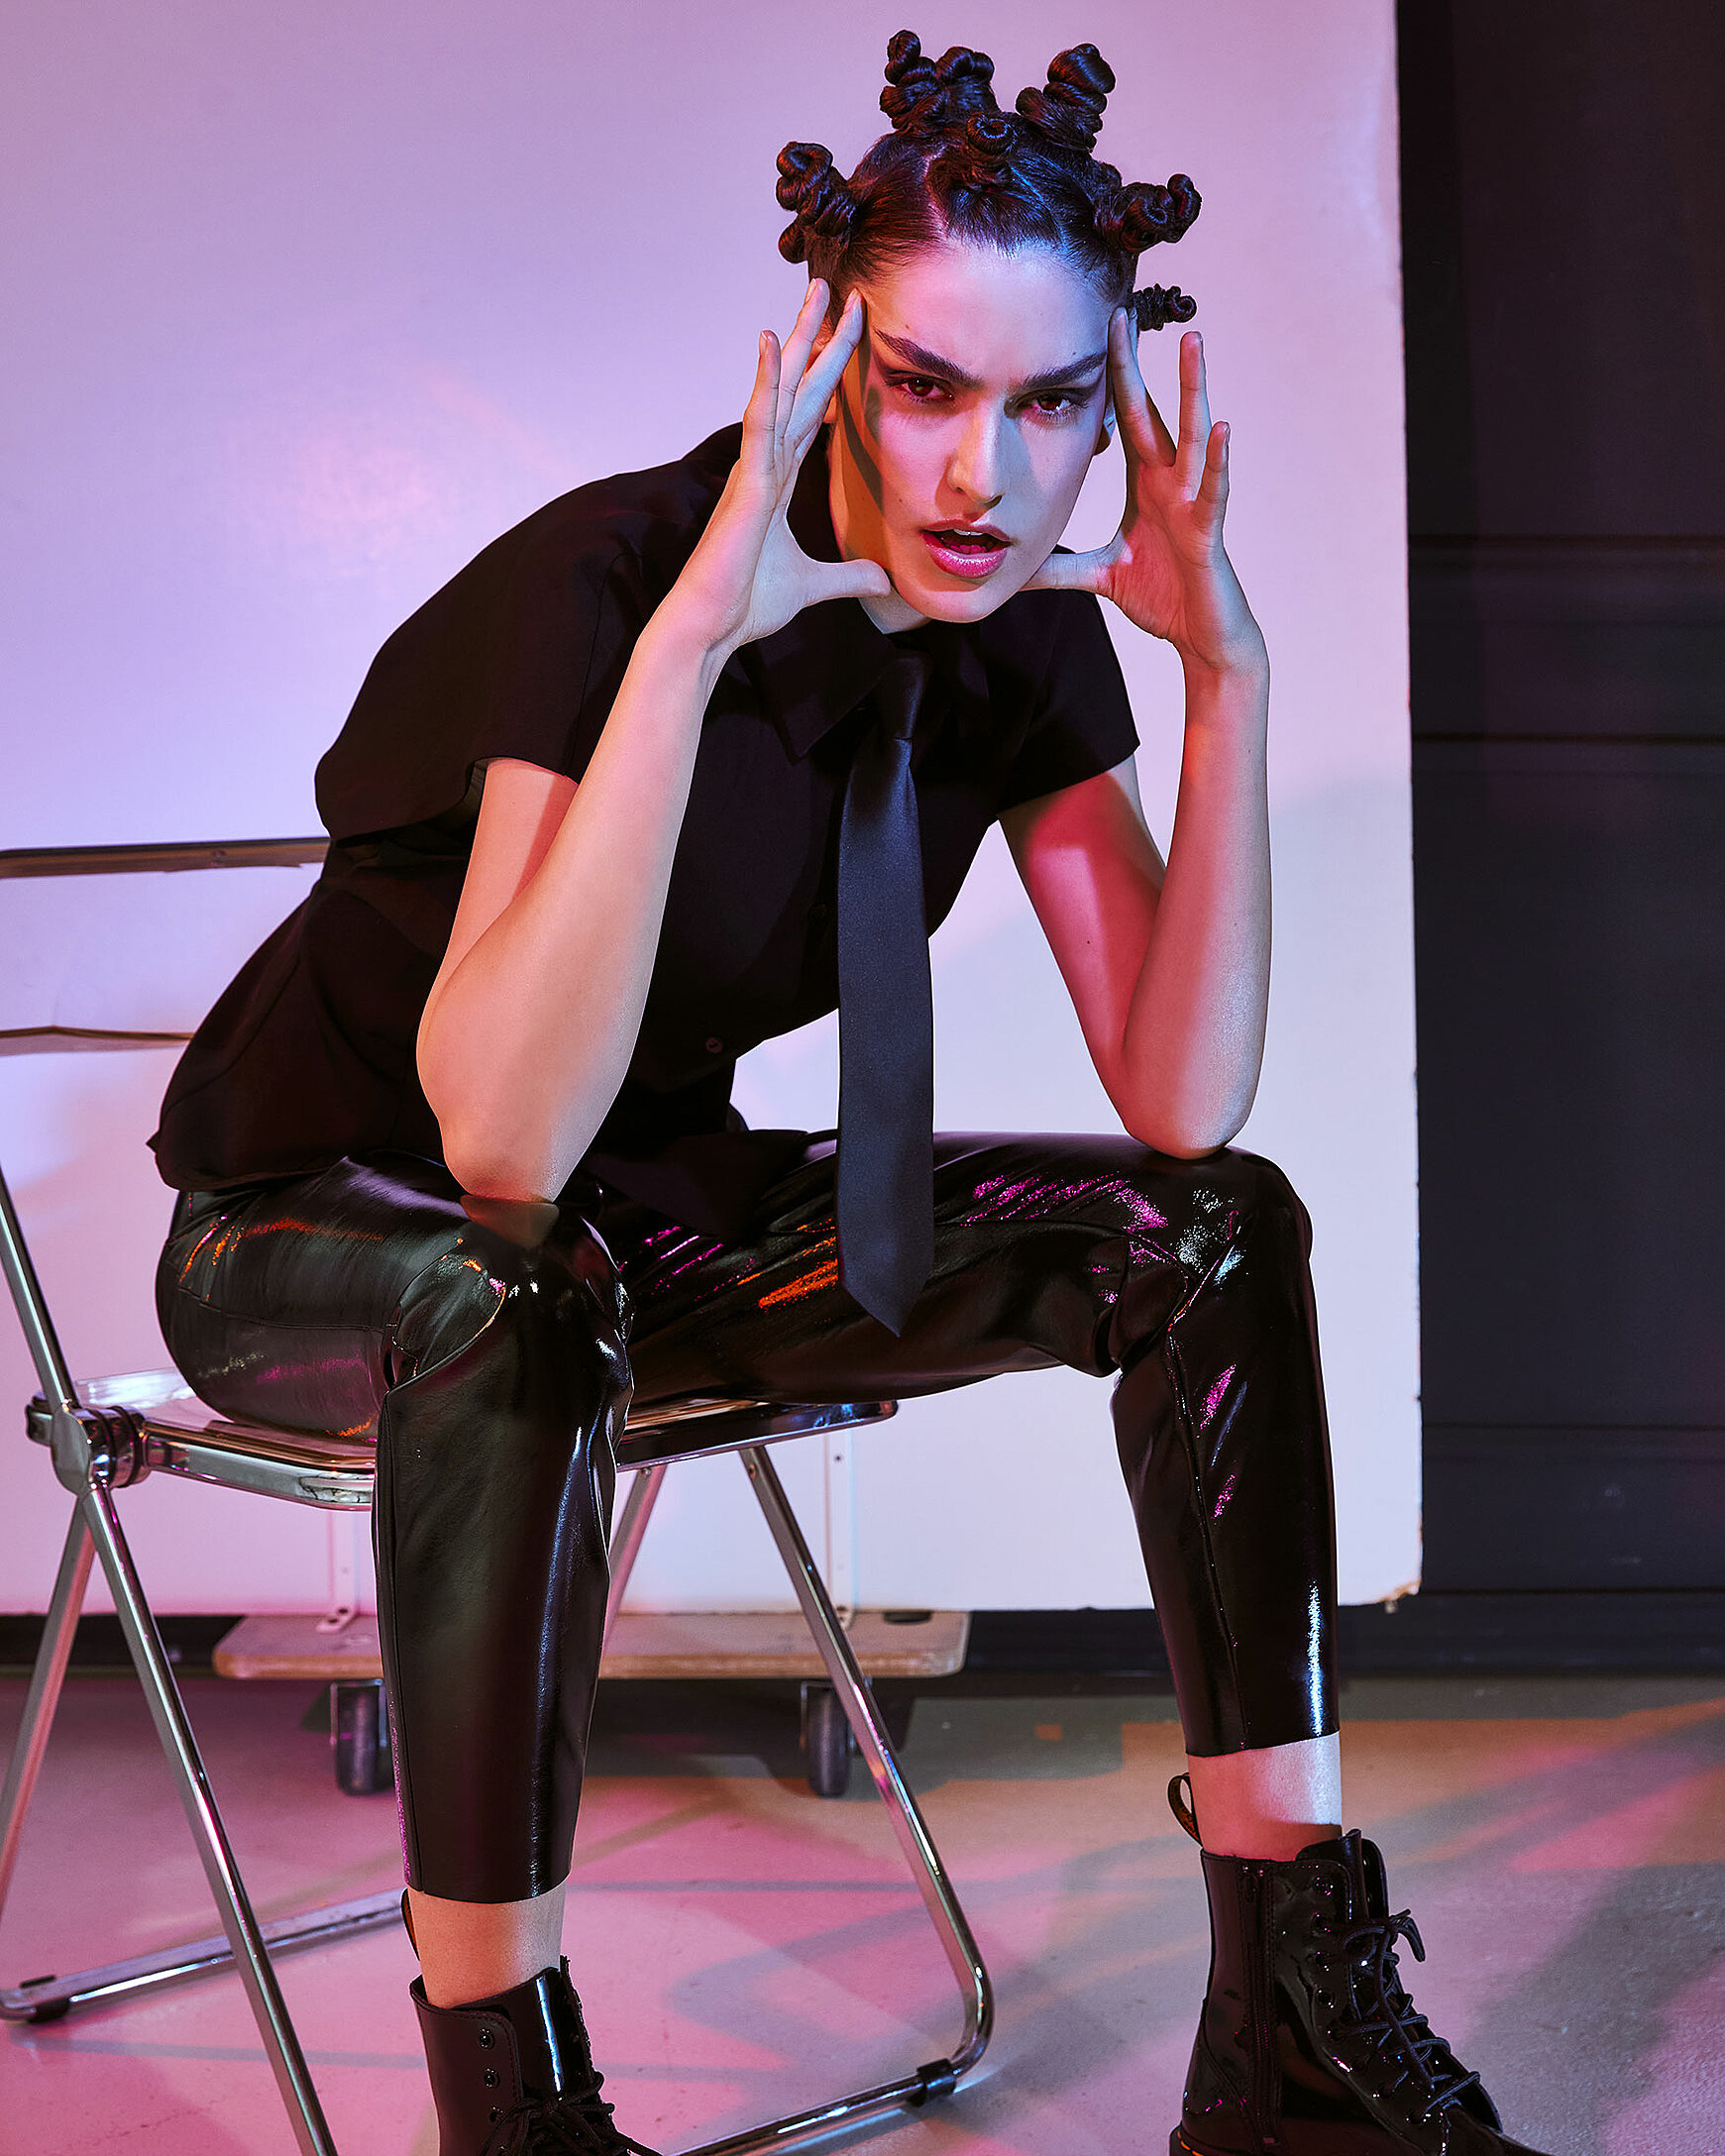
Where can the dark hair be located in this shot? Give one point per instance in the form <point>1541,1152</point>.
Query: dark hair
<point>956,166</point>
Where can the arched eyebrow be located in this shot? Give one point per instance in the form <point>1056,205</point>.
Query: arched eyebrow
<point>1069,377</point>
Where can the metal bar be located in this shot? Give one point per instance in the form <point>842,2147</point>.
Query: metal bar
<point>627,1540</point>
<point>48,1998</point>
<point>167,1710</point>
<point>175,854</point>
<point>45,1681</point>
<point>871,1734</point>
<point>845,2114</point>
<point>51,1372</point>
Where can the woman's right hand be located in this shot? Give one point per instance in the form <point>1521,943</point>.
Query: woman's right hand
<point>748,577</point>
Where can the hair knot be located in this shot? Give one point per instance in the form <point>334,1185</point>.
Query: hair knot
<point>1156,305</point>
<point>820,198</point>
<point>984,150</point>
<point>1139,216</point>
<point>924,95</point>
<point>1068,112</point>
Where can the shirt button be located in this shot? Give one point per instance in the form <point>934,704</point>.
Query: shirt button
<point>714,1046</point>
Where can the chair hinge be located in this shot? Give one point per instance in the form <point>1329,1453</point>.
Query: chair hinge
<point>105,1444</point>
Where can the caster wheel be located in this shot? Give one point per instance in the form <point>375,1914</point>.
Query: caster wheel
<point>359,1735</point>
<point>827,1735</point>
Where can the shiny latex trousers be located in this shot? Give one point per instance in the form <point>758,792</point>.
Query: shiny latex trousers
<point>493,1349</point>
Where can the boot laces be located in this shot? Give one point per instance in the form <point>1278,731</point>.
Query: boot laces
<point>1389,2021</point>
<point>575,2123</point>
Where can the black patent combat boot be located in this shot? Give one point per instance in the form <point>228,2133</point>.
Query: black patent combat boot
<point>1309,2044</point>
<point>512,2074</point>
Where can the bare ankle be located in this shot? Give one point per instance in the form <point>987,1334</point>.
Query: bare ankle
<point>1269,1803</point>
<point>471,1950</point>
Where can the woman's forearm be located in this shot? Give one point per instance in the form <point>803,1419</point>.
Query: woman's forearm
<point>527,1038</point>
<point>1194,1036</point>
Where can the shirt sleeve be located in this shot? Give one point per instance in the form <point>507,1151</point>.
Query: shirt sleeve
<point>559,646</point>
<point>521,655</point>
<point>1082,721</point>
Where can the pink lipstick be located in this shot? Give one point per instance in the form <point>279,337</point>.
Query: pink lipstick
<point>969,551</point>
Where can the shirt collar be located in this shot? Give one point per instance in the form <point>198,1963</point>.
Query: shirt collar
<point>824,662</point>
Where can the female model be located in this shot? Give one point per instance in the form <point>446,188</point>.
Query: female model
<point>681,762</point>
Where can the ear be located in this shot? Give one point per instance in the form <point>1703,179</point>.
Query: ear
<point>1104,432</point>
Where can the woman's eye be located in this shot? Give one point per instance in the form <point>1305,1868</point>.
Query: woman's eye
<point>923,388</point>
<point>1053,403</point>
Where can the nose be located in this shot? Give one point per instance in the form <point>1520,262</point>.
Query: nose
<point>975,471</point>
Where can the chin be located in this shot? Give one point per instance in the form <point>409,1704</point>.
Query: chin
<point>957,604</point>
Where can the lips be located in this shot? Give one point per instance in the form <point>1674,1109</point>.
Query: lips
<point>971,552</point>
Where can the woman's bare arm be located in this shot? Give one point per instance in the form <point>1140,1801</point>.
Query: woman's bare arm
<point>1169,970</point>
<point>532,1019</point>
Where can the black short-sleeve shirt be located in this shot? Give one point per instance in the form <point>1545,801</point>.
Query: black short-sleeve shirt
<point>309,1053</point>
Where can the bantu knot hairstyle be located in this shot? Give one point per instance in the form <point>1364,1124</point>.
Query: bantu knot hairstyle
<point>956,166</point>
<point>821,198</point>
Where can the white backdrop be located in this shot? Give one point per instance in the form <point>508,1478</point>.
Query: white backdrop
<point>306,304</point>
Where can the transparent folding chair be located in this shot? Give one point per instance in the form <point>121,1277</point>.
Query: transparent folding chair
<point>104,1435</point>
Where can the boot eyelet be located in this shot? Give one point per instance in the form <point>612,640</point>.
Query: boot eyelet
<point>487,2037</point>
<point>490,2077</point>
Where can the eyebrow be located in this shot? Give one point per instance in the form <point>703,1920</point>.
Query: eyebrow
<point>930,362</point>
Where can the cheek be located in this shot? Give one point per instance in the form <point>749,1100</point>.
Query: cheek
<point>912,458</point>
<point>1059,460</point>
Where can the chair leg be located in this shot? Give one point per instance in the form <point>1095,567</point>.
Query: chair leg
<point>44,1688</point>
<point>627,1537</point>
<point>167,1710</point>
<point>939,2076</point>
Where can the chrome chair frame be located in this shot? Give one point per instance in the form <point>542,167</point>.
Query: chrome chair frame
<point>108,1434</point>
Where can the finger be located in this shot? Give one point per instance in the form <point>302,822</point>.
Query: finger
<point>1075,571</point>
<point>760,417</point>
<point>1142,434</point>
<point>799,345</point>
<point>821,379</point>
<point>1212,487</point>
<point>1194,416</point>
<point>860,579</point>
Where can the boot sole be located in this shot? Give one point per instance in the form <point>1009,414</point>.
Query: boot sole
<point>1349,2141</point>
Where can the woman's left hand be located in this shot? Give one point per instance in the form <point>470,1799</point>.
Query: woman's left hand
<point>1166,568</point>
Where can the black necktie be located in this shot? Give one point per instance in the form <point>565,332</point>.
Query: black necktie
<point>885,1017</point>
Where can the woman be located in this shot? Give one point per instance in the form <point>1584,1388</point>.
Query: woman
<point>682,761</point>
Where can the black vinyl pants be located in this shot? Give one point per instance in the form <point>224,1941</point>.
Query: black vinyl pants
<point>493,1348</point>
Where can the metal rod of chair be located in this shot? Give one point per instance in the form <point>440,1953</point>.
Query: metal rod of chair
<point>51,1369</point>
<point>627,1537</point>
<point>871,1735</point>
<point>846,2114</point>
<point>46,1999</point>
<point>167,1710</point>
<point>45,1681</point>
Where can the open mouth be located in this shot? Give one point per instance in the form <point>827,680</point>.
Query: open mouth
<point>965,552</point>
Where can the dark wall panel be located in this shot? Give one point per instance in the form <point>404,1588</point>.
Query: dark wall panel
<point>1565,264</point>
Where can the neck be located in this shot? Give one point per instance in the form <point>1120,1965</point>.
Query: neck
<point>892,613</point>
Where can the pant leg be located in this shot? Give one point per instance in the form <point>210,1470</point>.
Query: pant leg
<point>488,1356</point>
<point>1190,1277</point>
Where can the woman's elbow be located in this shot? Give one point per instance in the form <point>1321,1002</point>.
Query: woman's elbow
<point>1185,1135</point>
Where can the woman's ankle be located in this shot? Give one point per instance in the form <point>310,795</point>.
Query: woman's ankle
<point>473,1950</point>
<point>1269,1805</point>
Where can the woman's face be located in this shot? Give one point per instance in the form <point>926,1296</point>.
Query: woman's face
<point>965,423</point>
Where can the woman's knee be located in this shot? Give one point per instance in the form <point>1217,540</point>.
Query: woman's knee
<point>1253,1193</point>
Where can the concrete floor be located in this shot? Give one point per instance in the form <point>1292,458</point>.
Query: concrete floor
<point>745,1948</point>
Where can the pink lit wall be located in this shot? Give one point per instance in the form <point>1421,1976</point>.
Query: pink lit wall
<point>304,304</point>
